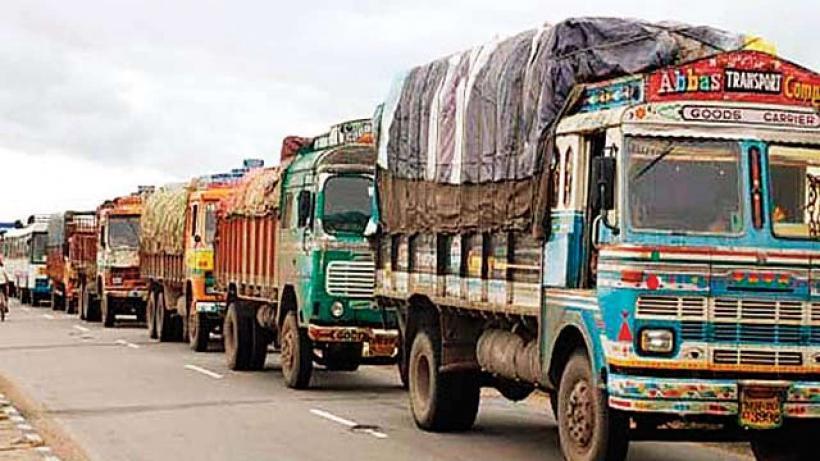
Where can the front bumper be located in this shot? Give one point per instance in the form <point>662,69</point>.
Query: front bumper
<point>380,342</point>
<point>716,397</point>
<point>213,308</point>
<point>129,293</point>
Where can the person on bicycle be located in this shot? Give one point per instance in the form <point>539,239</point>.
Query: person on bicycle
<point>4,287</point>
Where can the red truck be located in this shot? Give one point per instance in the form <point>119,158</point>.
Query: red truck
<point>67,231</point>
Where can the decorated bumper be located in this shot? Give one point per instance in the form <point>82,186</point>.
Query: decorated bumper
<point>132,293</point>
<point>759,403</point>
<point>380,342</point>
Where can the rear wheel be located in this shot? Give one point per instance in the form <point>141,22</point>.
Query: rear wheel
<point>297,354</point>
<point>70,306</point>
<point>57,302</point>
<point>588,429</point>
<point>440,402</point>
<point>151,315</point>
<point>82,301</point>
<point>238,337</point>
<point>107,307</point>
<point>199,330</point>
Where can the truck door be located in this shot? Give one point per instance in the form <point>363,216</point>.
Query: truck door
<point>594,144</point>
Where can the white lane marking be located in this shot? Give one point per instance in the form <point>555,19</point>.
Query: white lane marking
<point>204,371</point>
<point>123,342</point>
<point>48,316</point>
<point>347,422</point>
<point>81,328</point>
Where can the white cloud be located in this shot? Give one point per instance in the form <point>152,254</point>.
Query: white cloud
<point>189,87</point>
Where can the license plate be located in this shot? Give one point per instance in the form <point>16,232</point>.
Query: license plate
<point>761,407</point>
<point>116,280</point>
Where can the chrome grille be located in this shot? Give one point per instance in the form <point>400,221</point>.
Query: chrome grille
<point>693,331</point>
<point>815,313</point>
<point>746,356</point>
<point>755,310</point>
<point>757,333</point>
<point>671,306</point>
<point>350,278</point>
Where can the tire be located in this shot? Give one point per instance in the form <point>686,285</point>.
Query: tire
<point>151,315</point>
<point>296,355</point>
<point>238,337</point>
<point>440,402</point>
<point>401,364</point>
<point>165,323</point>
<point>92,307</point>
<point>588,430</point>
<point>57,302</point>
<point>199,331</point>
<point>343,357</point>
<point>261,340</point>
<point>107,308</point>
<point>69,306</point>
<point>25,297</point>
<point>82,301</point>
<point>783,445</point>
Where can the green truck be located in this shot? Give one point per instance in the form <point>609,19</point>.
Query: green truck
<point>294,265</point>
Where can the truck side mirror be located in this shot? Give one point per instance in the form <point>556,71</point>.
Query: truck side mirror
<point>603,177</point>
<point>305,205</point>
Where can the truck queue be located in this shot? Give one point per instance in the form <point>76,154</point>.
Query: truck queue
<point>519,216</point>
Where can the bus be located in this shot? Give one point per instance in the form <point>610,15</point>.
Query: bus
<point>24,253</point>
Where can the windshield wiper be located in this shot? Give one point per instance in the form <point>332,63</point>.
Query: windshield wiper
<point>668,150</point>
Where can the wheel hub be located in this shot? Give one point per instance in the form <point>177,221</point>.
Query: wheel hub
<point>579,414</point>
<point>287,349</point>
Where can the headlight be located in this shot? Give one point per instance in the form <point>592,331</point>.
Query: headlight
<point>657,341</point>
<point>337,309</point>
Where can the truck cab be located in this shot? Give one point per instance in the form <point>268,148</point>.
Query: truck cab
<point>119,285</point>
<point>326,260</point>
<point>684,247</point>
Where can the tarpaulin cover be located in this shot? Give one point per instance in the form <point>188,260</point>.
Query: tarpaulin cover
<point>257,194</point>
<point>162,224</point>
<point>464,139</point>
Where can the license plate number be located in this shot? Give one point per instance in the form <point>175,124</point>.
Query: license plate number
<point>761,408</point>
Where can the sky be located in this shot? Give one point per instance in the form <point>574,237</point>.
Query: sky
<point>97,97</point>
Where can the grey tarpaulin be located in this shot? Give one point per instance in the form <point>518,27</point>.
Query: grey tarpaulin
<point>463,139</point>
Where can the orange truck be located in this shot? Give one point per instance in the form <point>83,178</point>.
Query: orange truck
<point>177,259</point>
<point>114,286</point>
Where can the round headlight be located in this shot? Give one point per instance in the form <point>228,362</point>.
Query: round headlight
<point>337,309</point>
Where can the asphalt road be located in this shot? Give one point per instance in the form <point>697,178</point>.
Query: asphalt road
<point>117,395</point>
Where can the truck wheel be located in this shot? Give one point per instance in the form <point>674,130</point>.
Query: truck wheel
<point>199,331</point>
<point>107,308</point>
<point>782,445</point>
<point>587,429</point>
<point>440,402</point>
<point>343,356</point>
<point>296,355</point>
<point>401,364</point>
<point>238,337</point>
<point>261,340</point>
<point>56,302</point>
<point>70,306</point>
<point>82,301</point>
<point>151,315</point>
<point>25,296</point>
<point>165,324</point>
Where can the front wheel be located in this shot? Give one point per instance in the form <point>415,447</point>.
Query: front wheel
<point>199,330</point>
<point>151,315</point>
<point>237,334</point>
<point>107,308</point>
<point>588,430</point>
<point>297,354</point>
<point>440,402</point>
<point>782,445</point>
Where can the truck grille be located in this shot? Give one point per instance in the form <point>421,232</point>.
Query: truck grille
<point>350,278</point>
<point>755,310</point>
<point>672,306</point>
<point>815,313</point>
<point>746,356</point>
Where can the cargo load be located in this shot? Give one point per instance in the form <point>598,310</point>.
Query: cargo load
<point>465,141</point>
<point>163,220</point>
<point>257,194</point>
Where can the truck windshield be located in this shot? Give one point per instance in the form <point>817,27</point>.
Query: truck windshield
<point>347,205</point>
<point>124,232</point>
<point>38,247</point>
<point>795,183</point>
<point>684,186</point>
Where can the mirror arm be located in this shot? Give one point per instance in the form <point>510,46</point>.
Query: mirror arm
<point>605,218</point>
